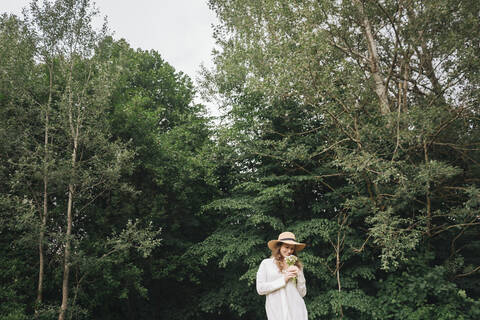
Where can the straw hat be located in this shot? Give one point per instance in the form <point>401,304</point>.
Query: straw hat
<point>286,237</point>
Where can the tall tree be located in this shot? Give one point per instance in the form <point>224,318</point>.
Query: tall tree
<point>46,49</point>
<point>123,148</point>
<point>17,66</point>
<point>394,94</point>
<point>153,108</point>
<point>93,162</point>
<point>142,161</point>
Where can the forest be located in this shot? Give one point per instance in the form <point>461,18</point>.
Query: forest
<point>353,124</point>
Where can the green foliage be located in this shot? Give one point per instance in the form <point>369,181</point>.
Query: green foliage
<point>422,292</point>
<point>102,251</point>
<point>351,125</point>
<point>393,235</point>
<point>168,209</point>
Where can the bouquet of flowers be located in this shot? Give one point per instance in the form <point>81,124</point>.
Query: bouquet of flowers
<point>291,260</point>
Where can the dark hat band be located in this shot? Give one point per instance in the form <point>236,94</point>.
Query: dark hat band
<point>284,239</point>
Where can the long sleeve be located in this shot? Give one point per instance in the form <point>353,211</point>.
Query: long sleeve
<point>263,285</point>
<point>301,284</point>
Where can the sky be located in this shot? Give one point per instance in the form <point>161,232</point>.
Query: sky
<point>180,30</point>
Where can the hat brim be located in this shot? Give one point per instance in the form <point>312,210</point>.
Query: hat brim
<point>298,246</point>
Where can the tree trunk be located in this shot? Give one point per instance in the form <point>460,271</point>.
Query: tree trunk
<point>44,214</point>
<point>427,193</point>
<point>40,244</point>
<point>380,88</point>
<point>338,247</point>
<point>66,263</point>
<point>74,131</point>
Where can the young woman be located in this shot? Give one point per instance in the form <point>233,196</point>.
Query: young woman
<point>275,279</point>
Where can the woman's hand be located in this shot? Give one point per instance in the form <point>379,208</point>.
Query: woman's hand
<point>293,269</point>
<point>291,273</point>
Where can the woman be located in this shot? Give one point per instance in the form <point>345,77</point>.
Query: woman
<point>275,279</point>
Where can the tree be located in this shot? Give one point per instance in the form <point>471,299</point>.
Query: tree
<point>70,108</point>
<point>17,87</point>
<point>173,171</point>
<point>385,95</point>
<point>136,159</point>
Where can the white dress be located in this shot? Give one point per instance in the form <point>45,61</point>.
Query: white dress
<point>284,300</point>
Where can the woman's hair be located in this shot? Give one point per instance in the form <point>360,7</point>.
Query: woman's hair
<point>278,258</point>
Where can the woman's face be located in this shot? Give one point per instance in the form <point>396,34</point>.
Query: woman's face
<point>287,249</point>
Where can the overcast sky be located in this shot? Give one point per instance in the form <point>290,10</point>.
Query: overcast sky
<point>180,30</point>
